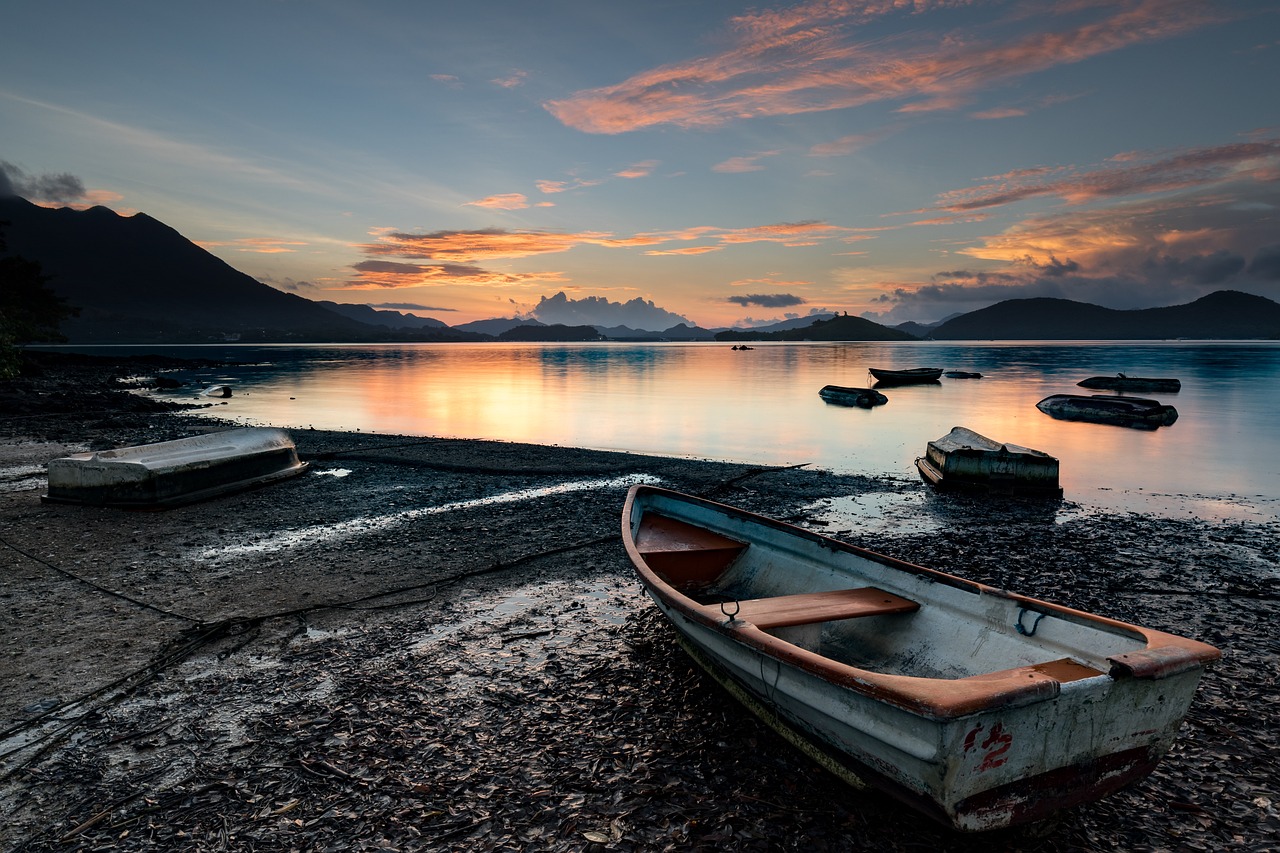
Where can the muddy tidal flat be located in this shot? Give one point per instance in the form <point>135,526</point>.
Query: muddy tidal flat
<point>430,644</point>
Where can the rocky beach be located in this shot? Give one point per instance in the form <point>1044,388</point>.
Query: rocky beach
<point>439,644</point>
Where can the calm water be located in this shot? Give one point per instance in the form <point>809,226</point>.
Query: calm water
<point>1219,460</point>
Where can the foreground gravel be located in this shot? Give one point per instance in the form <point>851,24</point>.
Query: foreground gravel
<point>439,645</point>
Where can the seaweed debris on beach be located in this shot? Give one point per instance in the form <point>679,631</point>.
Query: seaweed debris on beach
<point>432,644</point>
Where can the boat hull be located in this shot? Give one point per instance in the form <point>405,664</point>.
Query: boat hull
<point>1135,412</point>
<point>964,460</point>
<point>912,376</point>
<point>173,473</point>
<point>976,752</point>
<point>864,398</point>
<point>1131,383</point>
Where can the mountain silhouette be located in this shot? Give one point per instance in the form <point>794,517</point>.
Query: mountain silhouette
<point>838,328</point>
<point>1225,314</point>
<point>136,280</point>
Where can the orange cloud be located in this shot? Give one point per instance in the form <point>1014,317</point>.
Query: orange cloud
<point>691,250</point>
<point>640,170</point>
<point>551,187</point>
<point>449,249</point>
<point>807,59</point>
<point>505,201</point>
<point>388,274</point>
<point>257,245</point>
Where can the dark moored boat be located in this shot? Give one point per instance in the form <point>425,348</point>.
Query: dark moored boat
<point>911,376</point>
<point>1120,382</point>
<point>964,460</point>
<point>979,706</point>
<point>842,396</point>
<point>962,374</point>
<point>1137,412</point>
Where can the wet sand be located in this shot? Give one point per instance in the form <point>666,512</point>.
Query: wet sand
<point>431,644</point>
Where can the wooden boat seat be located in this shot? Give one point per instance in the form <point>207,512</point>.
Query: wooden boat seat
<point>688,557</point>
<point>806,608</point>
<point>1061,670</point>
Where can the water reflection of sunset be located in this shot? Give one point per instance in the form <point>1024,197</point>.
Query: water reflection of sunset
<point>761,406</point>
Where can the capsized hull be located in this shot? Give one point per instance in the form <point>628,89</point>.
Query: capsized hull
<point>963,459</point>
<point>1121,382</point>
<point>1010,728</point>
<point>1136,412</point>
<point>862,397</point>
<point>172,473</point>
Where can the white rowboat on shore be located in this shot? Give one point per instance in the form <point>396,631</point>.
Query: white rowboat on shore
<point>980,707</point>
<point>172,473</point>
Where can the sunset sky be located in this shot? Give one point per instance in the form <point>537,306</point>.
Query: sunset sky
<point>730,163</point>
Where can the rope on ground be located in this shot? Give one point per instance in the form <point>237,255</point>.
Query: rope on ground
<point>99,587</point>
<point>204,633</point>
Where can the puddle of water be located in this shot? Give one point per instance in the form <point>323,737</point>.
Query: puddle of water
<point>319,533</point>
<point>877,513</point>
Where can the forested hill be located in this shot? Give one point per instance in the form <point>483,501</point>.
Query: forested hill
<point>1226,314</point>
<point>840,328</point>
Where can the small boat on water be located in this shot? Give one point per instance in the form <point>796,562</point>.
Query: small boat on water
<point>962,374</point>
<point>1137,412</point>
<point>980,707</point>
<point>910,376</point>
<point>1120,382</point>
<point>172,473</point>
<point>862,397</point>
<point>964,460</point>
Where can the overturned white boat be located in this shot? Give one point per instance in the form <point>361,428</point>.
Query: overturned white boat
<point>978,706</point>
<point>964,460</point>
<point>171,473</point>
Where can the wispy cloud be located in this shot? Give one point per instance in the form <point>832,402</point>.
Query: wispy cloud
<point>643,169</point>
<point>1133,173</point>
<point>499,243</point>
<point>551,187</point>
<point>809,58</point>
<point>746,163</point>
<point>390,274</point>
<point>512,80</point>
<point>505,201</point>
<point>255,245</point>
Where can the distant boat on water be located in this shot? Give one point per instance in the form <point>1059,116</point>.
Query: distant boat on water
<point>1137,412</point>
<point>862,397</point>
<point>910,376</point>
<point>1120,382</point>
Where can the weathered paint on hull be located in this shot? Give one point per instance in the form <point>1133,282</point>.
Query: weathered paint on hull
<point>986,748</point>
<point>1135,412</point>
<point>963,459</point>
<point>862,397</point>
<point>173,473</point>
<point>974,773</point>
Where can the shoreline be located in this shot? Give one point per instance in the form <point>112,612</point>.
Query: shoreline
<point>324,663</point>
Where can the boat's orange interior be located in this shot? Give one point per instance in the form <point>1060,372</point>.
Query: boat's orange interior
<point>687,557</point>
<point>691,559</point>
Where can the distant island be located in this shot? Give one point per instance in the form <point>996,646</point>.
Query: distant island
<point>133,279</point>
